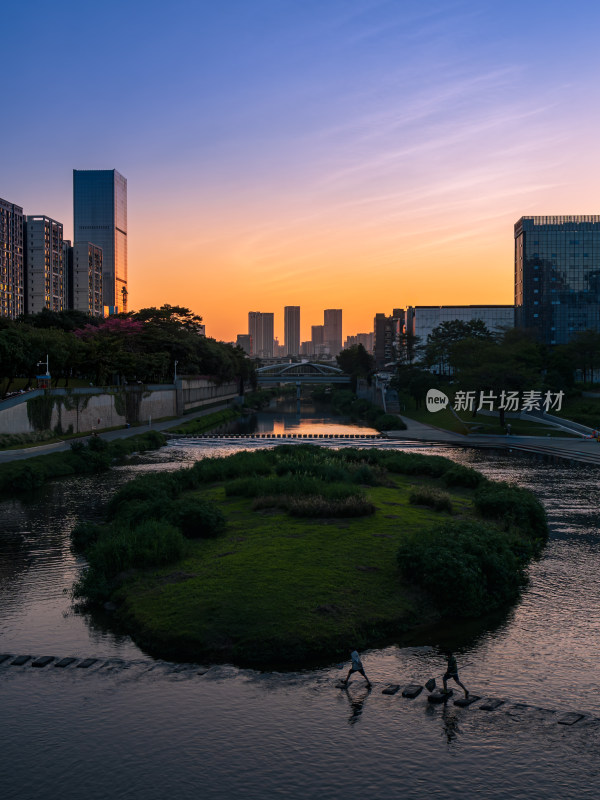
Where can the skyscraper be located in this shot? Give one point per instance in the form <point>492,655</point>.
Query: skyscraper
<point>44,268</point>
<point>260,330</point>
<point>332,318</point>
<point>11,260</point>
<point>291,318</point>
<point>557,275</point>
<point>100,216</point>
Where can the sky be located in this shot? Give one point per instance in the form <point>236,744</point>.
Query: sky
<point>356,154</point>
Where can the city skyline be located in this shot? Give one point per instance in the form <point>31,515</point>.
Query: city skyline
<point>331,154</point>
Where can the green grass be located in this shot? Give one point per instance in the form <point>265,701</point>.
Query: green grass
<point>206,423</point>
<point>95,455</point>
<point>278,590</point>
<point>481,424</point>
<point>584,410</point>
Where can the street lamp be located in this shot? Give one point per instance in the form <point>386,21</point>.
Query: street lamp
<point>175,378</point>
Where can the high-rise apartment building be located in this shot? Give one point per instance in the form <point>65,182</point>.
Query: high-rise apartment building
<point>317,337</point>
<point>291,320</point>
<point>85,277</point>
<point>100,216</point>
<point>557,275</point>
<point>332,318</point>
<point>366,339</point>
<point>260,330</point>
<point>387,330</point>
<point>44,269</point>
<point>12,276</point>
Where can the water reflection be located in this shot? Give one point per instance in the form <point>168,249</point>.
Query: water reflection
<point>232,732</point>
<point>357,698</point>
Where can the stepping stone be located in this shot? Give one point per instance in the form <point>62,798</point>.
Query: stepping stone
<point>64,662</point>
<point>570,719</point>
<point>491,704</point>
<point>391,688</point>
<point>412,690</point>
<point>43,661</point>
<point>87,662</point>
<point>20,660</point>
<point>3,658</point>
<point>464,702</point>
<point>440,696</point>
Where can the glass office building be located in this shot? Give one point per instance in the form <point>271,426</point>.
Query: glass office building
<point>557,275</point>
<point>100,217</point>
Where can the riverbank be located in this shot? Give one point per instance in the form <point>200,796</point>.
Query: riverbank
<point>312,555</point>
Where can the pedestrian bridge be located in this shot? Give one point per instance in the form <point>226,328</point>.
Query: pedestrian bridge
<point>298,373</point>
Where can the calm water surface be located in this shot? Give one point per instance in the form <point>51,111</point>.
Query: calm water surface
<point>133,727</point>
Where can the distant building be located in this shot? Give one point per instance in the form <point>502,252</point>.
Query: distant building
<point>44,269</point>
<point>85,273</point>
<point>421,320</point>
<point>260,329</point>
<point>317,337</point>
<point>386,336</point>
<point>12,276</point>
<point>100,216</point>
<point>332,318</point>
<point>244,340</point>
<point>291,321</point>
<point>557,275</point>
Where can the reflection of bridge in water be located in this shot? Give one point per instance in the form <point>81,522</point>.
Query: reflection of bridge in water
<point>304,372</point>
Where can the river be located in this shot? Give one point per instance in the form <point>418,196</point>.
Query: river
<point>133,727</point>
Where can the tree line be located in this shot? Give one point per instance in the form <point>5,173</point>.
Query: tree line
<point>476,359</point>
<point>145,346</point>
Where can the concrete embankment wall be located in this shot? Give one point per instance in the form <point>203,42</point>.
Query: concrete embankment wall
<point>95,408</point>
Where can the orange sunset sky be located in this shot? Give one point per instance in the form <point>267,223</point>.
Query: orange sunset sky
<point>359,155</point>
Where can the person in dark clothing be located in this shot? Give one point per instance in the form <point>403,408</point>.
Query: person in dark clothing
<point>452,672</point>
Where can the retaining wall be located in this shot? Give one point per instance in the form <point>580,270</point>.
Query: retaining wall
<point>86,409</point>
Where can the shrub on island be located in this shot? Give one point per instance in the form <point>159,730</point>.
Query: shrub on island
<point>428,496</point>
<point>466,568</point>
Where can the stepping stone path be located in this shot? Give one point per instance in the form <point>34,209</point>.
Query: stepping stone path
<point>20,660</point>
<point>3,658</point>
<point>440,696</point>
<point>412,690</point>
<point>491,704</point>
<point>570,719</point>
<point>64,662</point>
<point>391,689</point>
<point>465,702</point>
<point>87,662</point>
<point>43,661</point>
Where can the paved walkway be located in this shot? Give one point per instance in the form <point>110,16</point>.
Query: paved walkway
<point>585,450</point>
<point>120,433</point>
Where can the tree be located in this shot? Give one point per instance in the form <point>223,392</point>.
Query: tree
<point>584,350</point>
<point>443,337</point>
<point>356,362</point>
<point>512,363</point>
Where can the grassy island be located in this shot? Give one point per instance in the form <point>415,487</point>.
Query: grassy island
<point>288,556</point>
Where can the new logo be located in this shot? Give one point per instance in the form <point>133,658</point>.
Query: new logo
<point>436,400</point>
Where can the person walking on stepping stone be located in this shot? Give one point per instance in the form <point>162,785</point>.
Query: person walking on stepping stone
<point>356,667</point>
<point>452,672</point>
